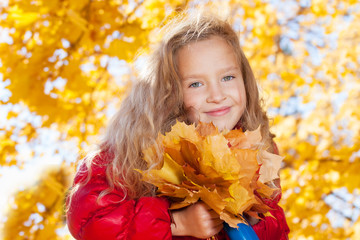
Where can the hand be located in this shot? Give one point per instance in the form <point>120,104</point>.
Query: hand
<point>197,220</point>
<point>251,220</point>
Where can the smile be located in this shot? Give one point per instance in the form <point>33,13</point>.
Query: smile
<point>219,111</point>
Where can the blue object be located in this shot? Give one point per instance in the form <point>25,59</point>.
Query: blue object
<point>244,232</point>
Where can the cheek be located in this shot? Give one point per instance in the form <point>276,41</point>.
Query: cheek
<point>192,115</point>
<point>191,103</point>
<point>191,100</point>
<point>244,98</point>
<point>241,95</point>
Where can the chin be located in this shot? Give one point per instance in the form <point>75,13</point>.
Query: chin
<point>221,127</point>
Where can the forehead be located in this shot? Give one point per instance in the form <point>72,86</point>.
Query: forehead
<point>212,44</point>
<point>195,43</point>
<point>207,55</point>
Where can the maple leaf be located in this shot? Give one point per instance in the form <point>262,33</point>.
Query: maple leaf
<point>271,164</point>
<point>226,170</point>
<point>170,172</point>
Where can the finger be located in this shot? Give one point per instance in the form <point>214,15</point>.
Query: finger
<point>213,214</point>
<point>220,222</point>
<point>204,205</point>
<point>218,228</point>
<point>213,223</point>
<point>217,222</point>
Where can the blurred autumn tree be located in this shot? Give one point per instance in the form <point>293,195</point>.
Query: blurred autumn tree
<point>60,61</point>
<point>57,64</point>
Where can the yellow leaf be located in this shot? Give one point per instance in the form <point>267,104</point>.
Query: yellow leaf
<point>170,171</point>
<point>240,198</point>
<point>270,166</point>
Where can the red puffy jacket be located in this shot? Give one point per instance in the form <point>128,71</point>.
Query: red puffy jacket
<point>145,218</point>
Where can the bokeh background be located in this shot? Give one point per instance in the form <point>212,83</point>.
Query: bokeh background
<point>66,65</point>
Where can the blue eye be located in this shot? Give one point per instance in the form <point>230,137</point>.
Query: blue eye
<point>195,85</point>
<point>228,78</point>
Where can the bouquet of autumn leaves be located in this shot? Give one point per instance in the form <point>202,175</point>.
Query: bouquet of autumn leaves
<point>226,170</point>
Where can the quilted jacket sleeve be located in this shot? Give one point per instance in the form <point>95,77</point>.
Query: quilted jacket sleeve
<point>112,217</point>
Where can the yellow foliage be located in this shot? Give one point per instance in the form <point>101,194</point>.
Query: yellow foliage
<point>71,41</point>
<point>38,210</point>
<point>7,149</point>
<point>77,19</point>
<point>21,18</point>
<point>304,52</point>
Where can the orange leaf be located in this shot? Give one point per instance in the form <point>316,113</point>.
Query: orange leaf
<point>206,129</point>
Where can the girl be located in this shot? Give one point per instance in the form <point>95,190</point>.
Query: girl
<point>197,73</point>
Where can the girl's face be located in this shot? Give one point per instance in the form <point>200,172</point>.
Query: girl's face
<point>212,83</point>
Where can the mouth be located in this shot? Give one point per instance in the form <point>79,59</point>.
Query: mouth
<point>219,111</point>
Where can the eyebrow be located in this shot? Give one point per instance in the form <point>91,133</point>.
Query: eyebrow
<point>228,69</point>
<point>221,71</point>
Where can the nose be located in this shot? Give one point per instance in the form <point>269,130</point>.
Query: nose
<point>215,94</point>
